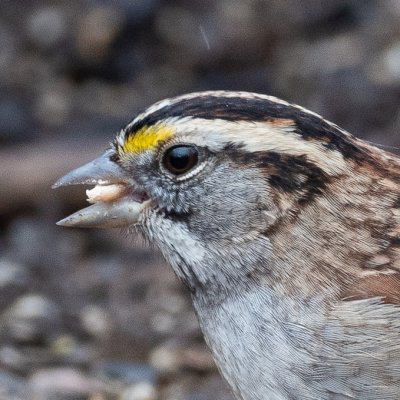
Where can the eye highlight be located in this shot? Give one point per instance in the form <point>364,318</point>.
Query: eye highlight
<point>180,159</point>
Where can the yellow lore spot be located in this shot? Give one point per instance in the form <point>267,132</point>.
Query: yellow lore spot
<point>147,138</point>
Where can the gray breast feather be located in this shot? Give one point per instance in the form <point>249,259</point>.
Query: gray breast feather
<point>272,351</point>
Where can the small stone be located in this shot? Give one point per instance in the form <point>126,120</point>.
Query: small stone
<point>12,387</point>
<point>63,383</point>
<point>173,303</point>
<point>163,323</point>
<point>53,105</point>
<point>12,274</point>
<point>34,306</point>
<point>68,349</point>
<point>64,345</point>
<point>97,31</point>
<point>47,27</point>
<point>198,359</point>
<point>11,357</point>
<point>31,318</point>
<point>127,372</point>
<point>96,321</point>
<point>169,359</point>
<point>386,68</point>
<point>165,359</point>
<point>140,391</point>
<point>210,388</point>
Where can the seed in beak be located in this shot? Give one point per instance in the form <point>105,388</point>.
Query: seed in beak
<point>105,193</point>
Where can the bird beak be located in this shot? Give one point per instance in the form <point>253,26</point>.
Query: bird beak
<point>101,170</point>
<point>116,203</point>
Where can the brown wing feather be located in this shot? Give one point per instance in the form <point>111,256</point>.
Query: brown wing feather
<point>385,286</point>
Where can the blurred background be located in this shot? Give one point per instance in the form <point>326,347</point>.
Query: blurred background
<point>93,315</point>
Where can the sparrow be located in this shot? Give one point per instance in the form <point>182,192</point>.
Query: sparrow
<point>285,229</point>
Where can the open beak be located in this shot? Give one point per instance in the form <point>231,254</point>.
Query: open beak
<point>116,203</point>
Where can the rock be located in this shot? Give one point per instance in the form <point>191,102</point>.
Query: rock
<point>96,321</point>
<point>127,372</point>
<point>67,348</point>
<point>12,274</point>
<point>53,106</point>
<point>63,383</point>
<point>47,27</point>
<point>140,391</point>
<point>169,359</point>
<point>32,318</point>
<point>163,323</point>
<point>386,68</point>
<point>96,32</point>
<point>12,387</point>
<point>165,359</point>
<point>22,358</point>
<point>211,388</point>
<point>11,358</point>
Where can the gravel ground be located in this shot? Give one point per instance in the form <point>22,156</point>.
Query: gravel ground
<point>97,315</point>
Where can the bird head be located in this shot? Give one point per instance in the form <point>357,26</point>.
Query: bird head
<point>210,177</point>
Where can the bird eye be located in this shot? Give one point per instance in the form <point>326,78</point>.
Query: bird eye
<point>180,159</point>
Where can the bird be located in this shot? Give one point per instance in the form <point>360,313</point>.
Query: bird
<point>285,229</point>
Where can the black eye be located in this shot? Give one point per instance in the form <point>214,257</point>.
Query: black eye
<point>180,159</point>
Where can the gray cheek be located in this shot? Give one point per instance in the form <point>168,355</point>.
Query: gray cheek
<point>227,204</point>
<point>221,203</point>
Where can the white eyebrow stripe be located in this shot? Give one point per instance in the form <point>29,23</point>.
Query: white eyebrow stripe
<point>258,136</point>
